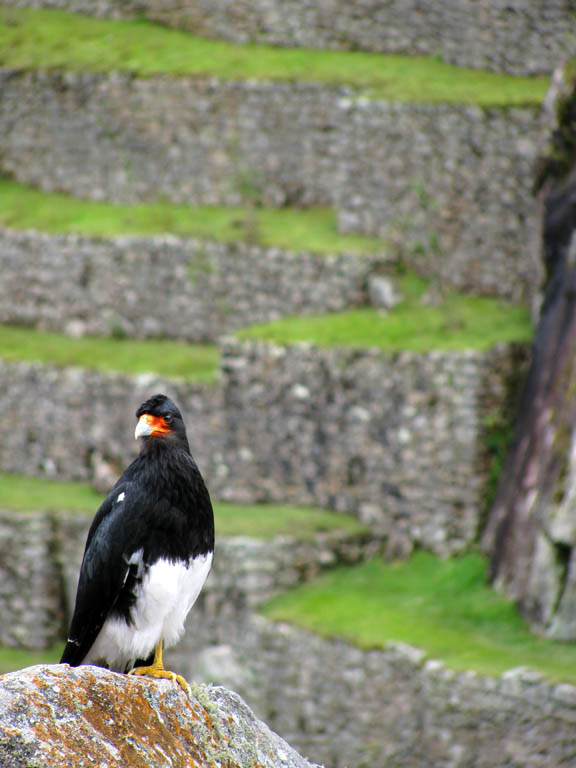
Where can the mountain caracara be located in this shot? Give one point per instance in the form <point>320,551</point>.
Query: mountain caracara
<point>148,553</point>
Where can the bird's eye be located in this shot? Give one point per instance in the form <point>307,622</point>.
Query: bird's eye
<point>168,419</point>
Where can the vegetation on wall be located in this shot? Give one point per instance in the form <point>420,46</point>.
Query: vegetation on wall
<point>51,39</point>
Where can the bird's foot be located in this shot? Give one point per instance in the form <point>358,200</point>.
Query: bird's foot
<point>163,674</point>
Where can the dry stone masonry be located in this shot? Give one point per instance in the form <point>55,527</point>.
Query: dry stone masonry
<point>76,423</point>
<point>345,706</point>
<point>395,439</point>
<point>448,185</point>
<point>168,286</point>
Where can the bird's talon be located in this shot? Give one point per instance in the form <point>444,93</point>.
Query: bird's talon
<point>156,670</point>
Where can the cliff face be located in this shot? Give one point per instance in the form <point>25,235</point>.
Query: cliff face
<point>87,716</point>
<point>531,532</point>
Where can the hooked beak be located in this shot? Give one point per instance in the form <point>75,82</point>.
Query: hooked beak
<point>147,425</point>
<point>144,426</point>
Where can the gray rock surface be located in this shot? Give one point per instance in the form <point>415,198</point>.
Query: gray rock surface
<point>71,718</point>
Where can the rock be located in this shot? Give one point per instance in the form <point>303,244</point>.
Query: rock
<point>383,292</point>
<point>54,715</point>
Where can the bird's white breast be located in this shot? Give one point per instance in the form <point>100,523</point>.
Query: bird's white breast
<point>167,592</point>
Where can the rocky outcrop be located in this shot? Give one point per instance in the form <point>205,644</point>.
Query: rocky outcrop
<point>531,532</point>
<point>71,718</point>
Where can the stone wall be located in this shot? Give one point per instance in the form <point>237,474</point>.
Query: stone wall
<point>74,423</point>
<point>167,286</point>
<point>518,36</point>
<point>448,185</point>
<point>395,439</point>
<point>30,590</point>
<point>344,706</point>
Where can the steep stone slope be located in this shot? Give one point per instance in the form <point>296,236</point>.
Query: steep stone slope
<point>71,718</point>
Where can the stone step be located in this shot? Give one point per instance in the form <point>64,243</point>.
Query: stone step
<point>49,39</point>
<point>115,353</point>
<point>298,230</point>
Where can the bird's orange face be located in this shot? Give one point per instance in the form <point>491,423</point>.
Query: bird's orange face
<point>152,426</point>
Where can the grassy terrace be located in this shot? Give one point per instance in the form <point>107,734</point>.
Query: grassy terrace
<point>314,229</point>
<point>50,39</point>
<point>23,494</point>
<point>458,323</point>
<point>198,362</point>
<point>441,606</point>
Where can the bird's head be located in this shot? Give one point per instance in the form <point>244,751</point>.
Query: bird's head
<point>160,418</point>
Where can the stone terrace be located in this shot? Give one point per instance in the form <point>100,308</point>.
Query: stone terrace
<point>396,439</point>
<point>521,36</point>
<point>449,185</point>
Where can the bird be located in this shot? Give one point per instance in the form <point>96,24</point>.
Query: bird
<point>148,553</point>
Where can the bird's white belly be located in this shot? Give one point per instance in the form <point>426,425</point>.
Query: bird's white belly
<point>165,596</point>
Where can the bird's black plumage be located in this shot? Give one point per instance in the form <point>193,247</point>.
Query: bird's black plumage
<point>152,536</point>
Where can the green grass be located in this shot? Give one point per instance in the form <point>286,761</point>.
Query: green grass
<point>199,362</point>
<point>265,521</point>
<point>50,39</point>
<point>21,494</point>
<point>314,229</point>
<point>441,606</point>
<point>460,322</point>
<point>17,658</point>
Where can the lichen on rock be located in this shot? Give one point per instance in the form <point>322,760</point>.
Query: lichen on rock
<point>54,715</point>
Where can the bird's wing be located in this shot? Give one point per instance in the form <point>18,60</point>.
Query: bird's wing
<point>103,573</point>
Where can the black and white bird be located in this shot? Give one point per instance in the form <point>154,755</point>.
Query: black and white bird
<point>148,553</point>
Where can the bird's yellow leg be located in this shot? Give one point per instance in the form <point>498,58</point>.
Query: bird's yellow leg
<point>156,669</point>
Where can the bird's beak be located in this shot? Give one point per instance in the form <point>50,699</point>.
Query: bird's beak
<point>144,426</point>
<point>151,425</point>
